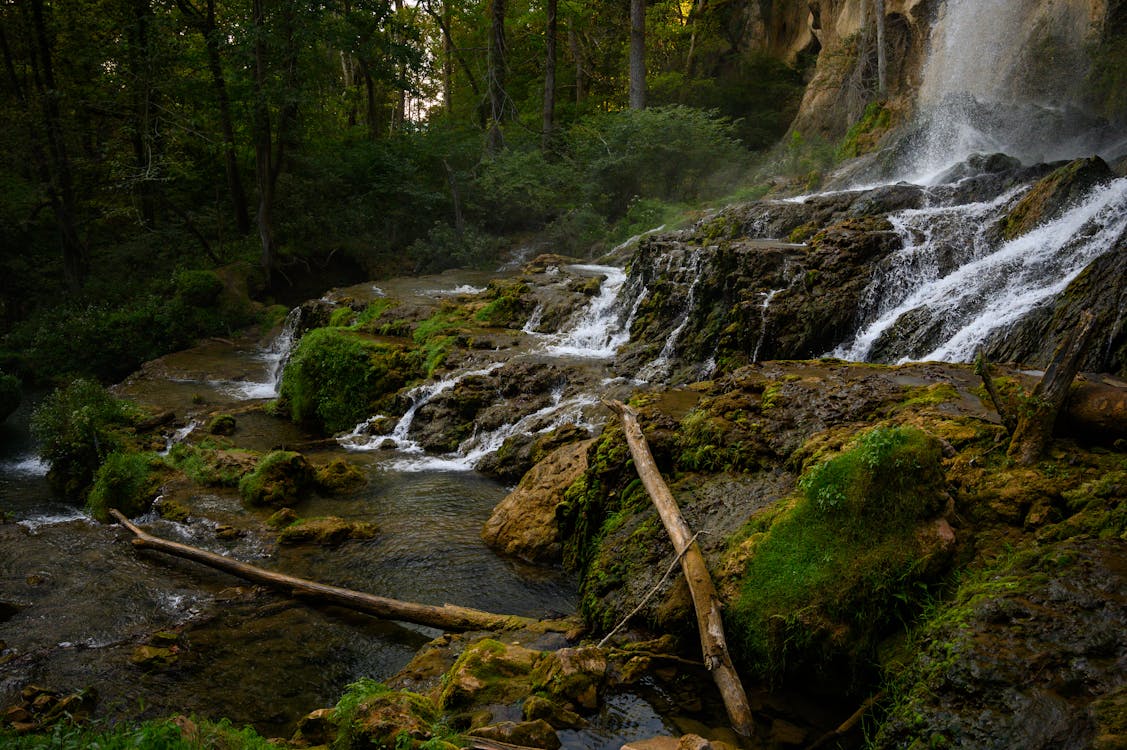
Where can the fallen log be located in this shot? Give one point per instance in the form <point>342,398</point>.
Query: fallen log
<point>706,601</point>
<point>446,617</point>
<point>1038,415</point>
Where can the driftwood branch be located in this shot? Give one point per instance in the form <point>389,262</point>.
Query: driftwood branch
<point>1034,428</point>
<point>446,617</point>
<point>706,601</point>
<point>982,369</point>
<point>848,724</point>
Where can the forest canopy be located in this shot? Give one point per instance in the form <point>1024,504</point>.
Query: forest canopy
<point>286,145</point>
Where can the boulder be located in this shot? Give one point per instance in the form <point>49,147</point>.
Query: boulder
<point>524,523</point>
<point>330,531</point>
<point>281,478</point>
<point>1055,193</point>
<point>536,733</point>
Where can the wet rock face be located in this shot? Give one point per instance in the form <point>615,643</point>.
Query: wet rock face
<point>1034,659</point>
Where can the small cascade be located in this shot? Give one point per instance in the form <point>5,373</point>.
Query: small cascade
<point>660,366</point>
<point>274,358</point>
<point>767,297</point>
<point>601,328</point>
<point>179,436</point>
<point>360,438</point>
<point>950,287</point>
<point>533,321</point>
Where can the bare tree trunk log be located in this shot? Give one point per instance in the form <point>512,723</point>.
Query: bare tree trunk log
<point>982,369</point>
<point>706,601</point>
<point>1034,428</point>
<point>446,617</point>
<point>637,54</point>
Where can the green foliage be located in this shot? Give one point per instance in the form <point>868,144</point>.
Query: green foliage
<point>76,428</point>
<point>336,378</point>
<point>201,465</point>
<point>863,134</point>
<point>281,478</point>
<point>505,307</point>
<point>832,573</point>
<point>878,477</point>
<point>126,481</point>
<point>354,696</point>
<point>149,735</point>
<point>198,288</point>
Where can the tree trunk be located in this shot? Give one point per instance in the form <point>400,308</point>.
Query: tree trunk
<point>446,617</point>
<point>882,53</point>
<point>60,186</point>
<point>706,601</point>
<point>495,139</point>
<point>694,14</point>
<point>1035,424</point>
<point>263,147</point>
<point>143,94</point>
<point>447,61</point>
<point>637,54</point>
<point>549,78</point>
<point>577,56</point>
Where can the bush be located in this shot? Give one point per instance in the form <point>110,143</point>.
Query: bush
<point>336,378</point>
<point>126,481</point>
<point>77,427</point>
<point>672,153</point>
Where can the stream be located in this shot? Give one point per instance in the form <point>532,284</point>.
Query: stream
<point>76,600</point>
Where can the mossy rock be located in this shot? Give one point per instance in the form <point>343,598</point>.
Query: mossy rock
<point>489,672</point>
<point>336,378</point>
<point>339,476</point>
<point>221,424</point>
<point>126,481</point>
<point>1055,193</point>
<point>281,478</point>
<point>329,532</point>
<point>394,719</point>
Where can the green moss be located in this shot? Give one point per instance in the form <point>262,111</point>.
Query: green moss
<point>834,571</point>
<point>126,481</point>
<point>341,317</point>
<point>339,476</point>
<point>337,378</point>
<point>164,734</point>
<point>505,307</point>
<point>208,466</point>
<point>221,424</point>
<point>281,478</point>
<point>369,317</point>
<point>863,136</point>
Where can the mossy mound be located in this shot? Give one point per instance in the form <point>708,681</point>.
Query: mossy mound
<point>828,574</point>
<point>281,478</point>
<point>336,378</point>
<point>369,714</point>
<point>128,482</point>
<point>339,476</point>
<point>329,532</point>
<point>221,424</point>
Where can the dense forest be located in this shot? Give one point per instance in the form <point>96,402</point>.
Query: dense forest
<point>157,152</point>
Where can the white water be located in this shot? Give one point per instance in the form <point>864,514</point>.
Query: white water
<point>660,366</point>
<point>599,330</point>
<point>961,300</point>
<point>987,86</point>
<point>273,358</point>
<point>767,297</point>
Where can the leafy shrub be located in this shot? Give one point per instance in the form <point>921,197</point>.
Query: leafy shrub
<point>444,247</point>
<point>336,378</point>
<point>197,288</point>
<point>76,428</point>
<point>149,735</point>
<point>126,481</point>
<point>670,153</point>
<point>281,478</point>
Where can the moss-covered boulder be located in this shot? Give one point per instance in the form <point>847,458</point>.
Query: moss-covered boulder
<point>329,532</point>
<point>221,424</point>
<point>339,476</point>
<point>371,715</point>
<point>489,672</point>
<point>126,481</point>
<point>336,378</point>
<point>281,478</point>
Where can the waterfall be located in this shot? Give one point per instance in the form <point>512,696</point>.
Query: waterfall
<point>767,297</point>
<point>601,328</point>
<point>950,287</point>
<point>274,358</point>
<point>659,367</point>
<point>1003,76</point>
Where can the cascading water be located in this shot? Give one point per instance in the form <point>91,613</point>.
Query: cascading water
<point>1001,76</point>
<point>659,367</point>
<point>274,358</point>
<point>601,328</point>
<point>950,287</point>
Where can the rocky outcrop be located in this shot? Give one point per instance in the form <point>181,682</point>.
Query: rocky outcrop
<point>524,523</point>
